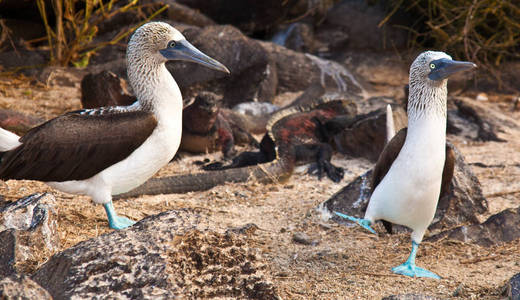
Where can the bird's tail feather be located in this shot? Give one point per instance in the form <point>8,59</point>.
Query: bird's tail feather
<point>390,127</point>
<point>8,140</point>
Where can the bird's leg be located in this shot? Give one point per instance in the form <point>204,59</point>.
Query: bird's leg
<point>115,221</point>
<point>409,268</point>
<point>362,222</point>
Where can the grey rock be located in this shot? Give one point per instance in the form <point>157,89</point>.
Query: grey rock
<point>28,231</point>
<point>7,252</point>
<point>23,288</point>
<point>21,58</point>
<point>18,122</point>
<point>104,89</point>
<point>297,71</point>
<point>296,36</point>
<point>513,287</point>
<point>475,122</point>
<point>410,297</point>
<point>249,15</point>
<point>365,135</point>
<point>502,227</point>
<point>169,255</point>
<point>304,239</point>
<point>252,76</point>
<point>354,24</point>
<point>463,203</point>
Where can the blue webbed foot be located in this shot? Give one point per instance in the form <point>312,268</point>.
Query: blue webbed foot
<point>412,270</point>
<point>408,268</point>
<point>119,222</point>
<point>362,222</point>
<point>115,221</point>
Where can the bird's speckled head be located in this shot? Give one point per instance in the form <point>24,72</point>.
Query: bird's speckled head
<point>157,42</point>
<point>435,67</point>
<point>150,38</point>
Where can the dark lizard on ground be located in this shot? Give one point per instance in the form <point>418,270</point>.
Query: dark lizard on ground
<point>208,128</point>
<point>295,136</point>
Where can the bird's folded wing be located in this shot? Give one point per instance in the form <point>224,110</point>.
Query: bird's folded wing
<point>75,146</point>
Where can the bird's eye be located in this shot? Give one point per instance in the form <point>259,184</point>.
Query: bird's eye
<point>432,66</point>
<point>171,44</point>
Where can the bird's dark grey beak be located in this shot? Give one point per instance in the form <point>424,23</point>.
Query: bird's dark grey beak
<point>183,50</point>
<point>444,68</point>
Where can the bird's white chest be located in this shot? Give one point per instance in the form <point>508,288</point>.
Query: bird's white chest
<point>409,192</point>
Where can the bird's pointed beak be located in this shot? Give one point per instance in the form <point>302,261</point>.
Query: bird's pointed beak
<point>444,68</point>
<point>183,50</point>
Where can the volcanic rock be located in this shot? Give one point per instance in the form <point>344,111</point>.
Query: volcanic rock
<point>17,122</point>
<point>248,15</point>
<point>169,255</point>
<point>513,287</point>
<point>355,24</point>
<point>475,122</point>
<point>23,288</point>
<point>297,71</point>
<point>252,78</point>
<point>104,89</point>
<point>499,228</point>
<point>365,135</point>
<point>462,204</point>
<point>28,231</point>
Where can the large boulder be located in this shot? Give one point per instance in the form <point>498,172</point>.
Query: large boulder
<point>249,15</point>
<point>169,255</point>
<point>28,232</point>
<point>502,227</point>
<point>513,287</point>
<point>365,135</point>
<point>354,24</point>
<point>252,78</point>
<point>463,203</point>
<point>23,288</point>
<point>297,71</point>
<point>104,89</point>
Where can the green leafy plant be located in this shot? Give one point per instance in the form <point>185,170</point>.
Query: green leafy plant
<point>71,39</point>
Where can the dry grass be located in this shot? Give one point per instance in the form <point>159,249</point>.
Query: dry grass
<point>486,32</point>
<point>70,41</point>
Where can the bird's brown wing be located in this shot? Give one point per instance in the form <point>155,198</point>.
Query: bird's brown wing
<point>76,146</point>
<point>448,171</point>
<point>387,157</point>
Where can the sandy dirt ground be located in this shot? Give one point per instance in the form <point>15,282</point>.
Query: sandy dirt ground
<point>343,262</point>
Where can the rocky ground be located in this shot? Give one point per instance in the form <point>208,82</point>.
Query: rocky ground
<point>253,240</point>
<point>303,255</point>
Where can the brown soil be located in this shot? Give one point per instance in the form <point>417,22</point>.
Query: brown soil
<point>347,262</point>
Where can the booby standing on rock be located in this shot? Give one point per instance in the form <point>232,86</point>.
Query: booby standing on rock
<point>111,150</point>
<point>409,191</point>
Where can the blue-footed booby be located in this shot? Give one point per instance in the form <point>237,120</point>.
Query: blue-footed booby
<point>413,166</point>
<point>111,150</point>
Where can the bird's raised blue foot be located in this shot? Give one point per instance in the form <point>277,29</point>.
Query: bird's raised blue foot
<point>362,222</point>
<point>115,221</point>
<point>412,270</point>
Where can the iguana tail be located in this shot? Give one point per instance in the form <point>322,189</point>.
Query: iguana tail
<point>275,171</point>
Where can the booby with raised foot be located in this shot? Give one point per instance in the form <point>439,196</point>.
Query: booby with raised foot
<point>416,163</point>
<point>111,150</point>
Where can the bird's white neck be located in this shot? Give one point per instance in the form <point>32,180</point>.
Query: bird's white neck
<point>427,113</point>
<point>427,101</point>
<point>156,90</point>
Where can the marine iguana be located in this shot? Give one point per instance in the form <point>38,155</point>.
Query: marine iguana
<point>208,127</point>
<point>295,136</point>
